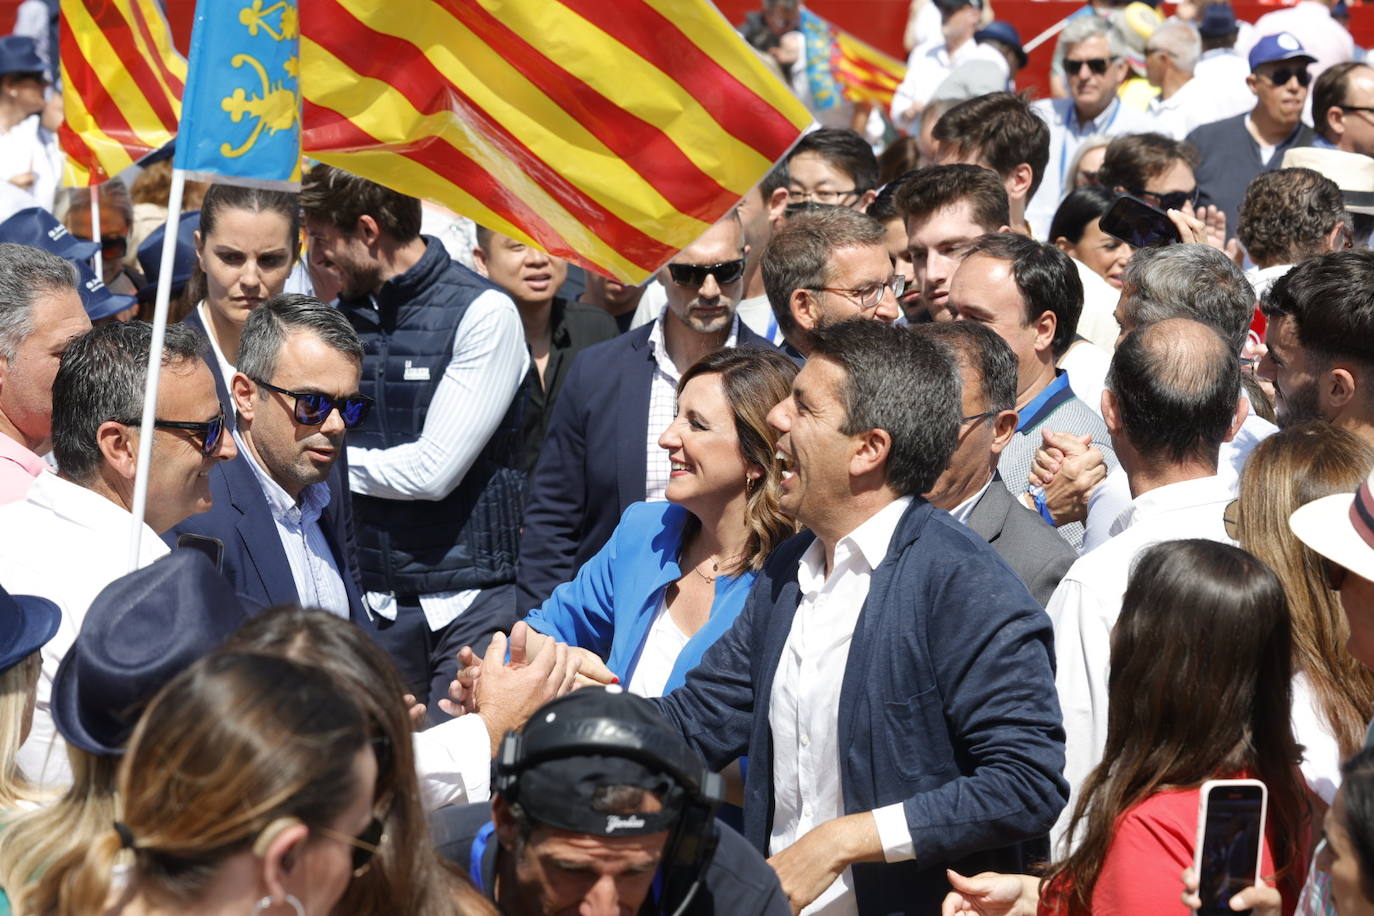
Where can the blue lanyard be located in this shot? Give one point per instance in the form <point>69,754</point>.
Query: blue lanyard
<point>479,850</point>
<point>1068,128</point>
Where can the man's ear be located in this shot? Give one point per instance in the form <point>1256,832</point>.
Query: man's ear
<point>777,206</point>
<point>874,449</point>
<point>479,261</point>
<point>244,391</point>
<point>1018,183</point>
<point>1003,428</point>
<point>119,446</point>
<point>368,229</point>
<point>1339,238</point>
<point>1251,82</point>
<point>1111,414</point>
<point>806,309</point>
<point>507,827</point>
<point>1337,389</point>
<point>1238,418</point>
<point>1045,327</point>
<point>865,200</point>
<point>279,848</point>
<point>1335,120</point>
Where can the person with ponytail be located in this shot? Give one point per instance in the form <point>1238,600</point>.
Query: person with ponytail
<point>250,785</point>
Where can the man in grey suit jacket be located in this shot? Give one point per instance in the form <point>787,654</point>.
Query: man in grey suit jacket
<point>970,489</point>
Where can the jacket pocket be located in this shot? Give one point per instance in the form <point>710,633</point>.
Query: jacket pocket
<point>917,739</point>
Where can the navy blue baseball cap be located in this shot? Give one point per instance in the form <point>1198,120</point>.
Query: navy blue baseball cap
<point>183,261</point>
<point>96,297</point>
<point>19,54</point>
<point>1283,46</point>
<point>1218,20</point>
<point>27,622</point>
<point>1005,33</point>
<point>37,227</point>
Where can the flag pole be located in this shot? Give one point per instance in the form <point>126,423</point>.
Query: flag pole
<point>97,267</point>
<point>145,431</point>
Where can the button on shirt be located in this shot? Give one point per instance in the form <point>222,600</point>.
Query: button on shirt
<point>663,407</point>
<point>318,583</point>
<point>805,702</point>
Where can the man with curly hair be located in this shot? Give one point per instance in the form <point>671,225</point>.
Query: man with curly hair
<point>1287,216</point>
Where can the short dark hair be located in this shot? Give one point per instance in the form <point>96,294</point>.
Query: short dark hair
<point>1131,161</point>
<point>267,326</point>
<point>776,178</point>
<point>938,186</point>
<point>1045,277</point>
<point>1331,300</point>
<point>1287,214</point>
<point>884,207</point>
<point>101,378</point>
<point>1082,206</point>
<point>798,255</point>
<point>1176,384</point>
<point>999,129</point>
<point>1189,281</point>
<point>984,352</point>
<point>846,151</point>
<point>341,198</point>
<point>1330,92</point>
<point>902,383</point>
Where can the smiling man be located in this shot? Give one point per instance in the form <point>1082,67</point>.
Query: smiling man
<point>296,392</point>
<point>555,330</point>
<point>867,780</point>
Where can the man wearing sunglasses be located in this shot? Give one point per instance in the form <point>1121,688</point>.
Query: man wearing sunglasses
<point>116,222</point>
<point>601,452</point>
<point>1093,57</point>
<point>296,394</point>
<point>1235,150</point>
<point>69,537</point>
<point>1343,108</point>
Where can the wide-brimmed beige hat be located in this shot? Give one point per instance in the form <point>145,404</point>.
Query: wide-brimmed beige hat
<point>1340,528</point>
<point>1353,173</point>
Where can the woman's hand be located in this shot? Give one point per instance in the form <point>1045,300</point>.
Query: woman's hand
<point>991,894</point>
<point>1263,899</point>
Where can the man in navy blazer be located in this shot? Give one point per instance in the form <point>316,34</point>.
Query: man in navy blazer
<point>890,678</point>
<point>618,394</point>
<point>277,504</point>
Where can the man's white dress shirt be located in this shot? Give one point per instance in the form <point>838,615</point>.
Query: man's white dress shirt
<point>29,147</point>
<point>1087,602</point>
<point>1192,105</point>
<point>804,705</point>
<point>926,69</point>
<point>1223,72</point>
<point>488,365</point>
<point>64,543</point>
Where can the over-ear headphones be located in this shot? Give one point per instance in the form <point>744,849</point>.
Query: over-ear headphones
<point>555,735</point>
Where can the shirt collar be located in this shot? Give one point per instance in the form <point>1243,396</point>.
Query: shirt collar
<point>283,508</point>
<point>1054,394</point>
<point>868,542</point>
<point>962,511</point>
<point>660,349</point>
<point>1098,124</point>
<point>1186,494</point>
<point>22,456</point>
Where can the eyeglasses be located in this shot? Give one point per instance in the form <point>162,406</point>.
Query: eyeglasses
<point>209,432</point>
<point>1335,574</point>
<point>868,296</point>
<point>827,196</point>
<point>979,416</point>
<point>694,275</point>
<point>1355,108</point>
<point>1098,65</point>
<point>1281,75</point>
<point>1171,200</point>
<point>111,246</point>
<point>365,845</point>
<point>313,409</point>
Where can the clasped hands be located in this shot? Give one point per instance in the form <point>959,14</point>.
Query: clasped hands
<point>1067,467</point>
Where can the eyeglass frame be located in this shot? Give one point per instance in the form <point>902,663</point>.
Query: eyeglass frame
<point>896,283</point>
<point>1304,76</point>
<point>706,270</point>
<point>1365,108</point>
<point>364,850</point>
<point>803,197</point>
<point>1074,67</point>
<point>208,447</point>
<point>335,403</point>
<point>1159,198</point>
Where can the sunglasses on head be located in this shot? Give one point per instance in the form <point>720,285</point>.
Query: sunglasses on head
<point>693,275</point>
<point>1280,76</point>
<point>1097,65</point>
<point>209,432</point>
<point>312,409</point>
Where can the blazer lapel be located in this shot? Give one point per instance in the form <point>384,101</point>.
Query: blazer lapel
<point>989,514</point>
<point>632,424</point>
<point>258,533</point>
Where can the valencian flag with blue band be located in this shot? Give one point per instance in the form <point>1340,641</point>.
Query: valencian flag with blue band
<point>240,114</point>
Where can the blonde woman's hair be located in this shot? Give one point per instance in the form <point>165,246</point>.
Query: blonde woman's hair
<point>755,381</point>
<point>230,745</point>
<point>1290,469</point>
<point>17,686</point>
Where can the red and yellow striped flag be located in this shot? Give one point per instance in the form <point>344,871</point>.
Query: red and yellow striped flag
<point>121,85</point>
<point>608,132</point>
<point>867,74</point>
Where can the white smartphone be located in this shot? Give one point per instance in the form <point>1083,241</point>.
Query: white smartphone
<point>1230,834</point>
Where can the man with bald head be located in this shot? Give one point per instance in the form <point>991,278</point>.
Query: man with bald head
<point>1169,405</point>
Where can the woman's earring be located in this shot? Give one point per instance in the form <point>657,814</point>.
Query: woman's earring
<point>748,484</point>
<point>267,903</point>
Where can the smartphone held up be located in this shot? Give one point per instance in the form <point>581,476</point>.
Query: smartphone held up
<point>1230,836</point>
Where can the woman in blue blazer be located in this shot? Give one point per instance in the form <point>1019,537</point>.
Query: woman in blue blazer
<point>674,574</point>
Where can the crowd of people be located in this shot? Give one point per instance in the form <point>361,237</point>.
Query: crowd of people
<point>911,542</point>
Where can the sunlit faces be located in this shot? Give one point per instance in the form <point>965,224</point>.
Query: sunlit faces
<point>246,259</point>
<point>114,235</point>
<point>527,273</point>
<point>1282,101</point>
<point>179,475</point>
<point>26,381</point>
<point>971,464</point>
<point>851,280</point>
<point>1354,120</point>
<point>984,290</point>
<point>1293,371</point>
<point>899,255</point>
<point>815,455</point>
<point>1089,165</point>
<point>343,259</point>
<point>703,448</point>
<point>710,307</point>
<point>1091,91</point>
<point>293,454</point>
<point>1105,254</point>
<point>813,178</point>
<point>937,244</point>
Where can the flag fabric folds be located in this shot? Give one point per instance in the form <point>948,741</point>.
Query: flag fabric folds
<point>838,64</point>
<point>122,81</point>
<point>240,119</point>
<point>608,132</point>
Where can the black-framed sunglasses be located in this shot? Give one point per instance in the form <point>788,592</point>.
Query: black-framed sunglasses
<point>1172,200</point>
<point>1098,65</point>
<point>111,246</point>
<point>693,275</point>
<point>1355,108</point>
<point>1280,76</point>
<point>365,845</point>
<point>209,433</point>
<point>313,408</point>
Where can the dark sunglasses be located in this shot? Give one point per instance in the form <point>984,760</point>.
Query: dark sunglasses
<point>1173,200</point>
<point>1097,65</point>
<point>693,275</point>
<point>1281,75</point>
<point>313,409</point>
<point>365,845</point>
<point>209,432</point>
<point>111,246</point>
<point>1335,574</point>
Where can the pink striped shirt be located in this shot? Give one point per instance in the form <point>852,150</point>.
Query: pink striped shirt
<point>18,468</point>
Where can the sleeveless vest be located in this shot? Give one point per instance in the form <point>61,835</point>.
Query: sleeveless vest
<point>469,538</point>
